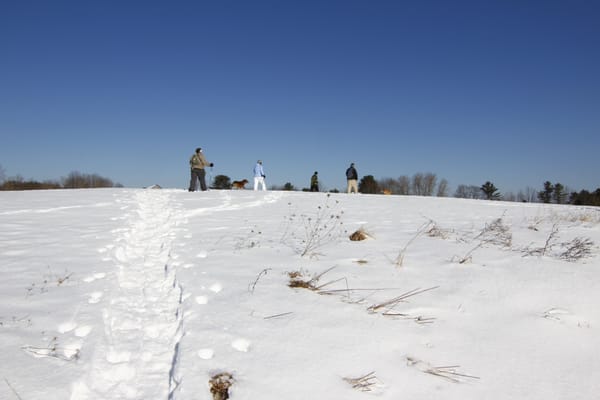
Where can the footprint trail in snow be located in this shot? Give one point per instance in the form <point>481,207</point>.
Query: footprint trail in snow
<point>143,321</point>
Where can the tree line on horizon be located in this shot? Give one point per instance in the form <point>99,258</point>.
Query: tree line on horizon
<point>420,184</point>
<point>75,180</point>
<point>427,184</point>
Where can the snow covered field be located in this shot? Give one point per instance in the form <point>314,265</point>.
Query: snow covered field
<point>148,294</point>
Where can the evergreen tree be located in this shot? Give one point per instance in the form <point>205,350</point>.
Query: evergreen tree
<point>368,184</point>
<point>545,196</point>
<point>490,191</point>
<point>221,182</point>
<point>559,194</point>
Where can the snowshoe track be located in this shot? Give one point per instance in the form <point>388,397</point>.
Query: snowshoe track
<point>143,322</point>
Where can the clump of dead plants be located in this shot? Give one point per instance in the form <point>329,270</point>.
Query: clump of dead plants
<point>220,384</point>
<point>437,232</point>
<point>298,279</point>
<point>359,235</point>
<point>571,251</point>
<point>577,249</point>
<point>496,233</point>
<point>308,232</point>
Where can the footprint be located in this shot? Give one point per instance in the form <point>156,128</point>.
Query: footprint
<point>67,327</point>
<point>242,345</point>
<point>202,254</point>
<point>216,287</point>
<point>92,278</point>
<point>83,331</point>
<point>206,354</point>
<point>95,297</point>
<point>201,300</point>
<point>116,357</point>
<point>71,350</point>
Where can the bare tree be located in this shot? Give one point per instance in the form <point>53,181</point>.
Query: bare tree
<point>429,182</point>
<point>468,192</point>
<point>2,174</point>
<point>442,190</point>
<point>531,195</point>
<point>404,185</point>
<point>510,196</point>
<point>417,184</point>
<point>389,184</point>
<point>83,181</point>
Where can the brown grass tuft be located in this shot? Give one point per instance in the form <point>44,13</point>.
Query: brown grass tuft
<point>359,235</point>
<point>220,384</point>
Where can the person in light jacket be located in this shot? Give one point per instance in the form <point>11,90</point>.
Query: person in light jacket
<point>197,164</point>
<point>259,176</point>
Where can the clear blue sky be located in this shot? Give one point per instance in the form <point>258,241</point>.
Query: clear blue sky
<point>505,91</point>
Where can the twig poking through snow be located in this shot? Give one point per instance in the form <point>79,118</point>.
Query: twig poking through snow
<point>447,372</point>
<point>390,304</point>
<point>363,383</point>
<point>278,315</point>
<point>263,272</point>
<point>423,228</point>
<point>13,389</point>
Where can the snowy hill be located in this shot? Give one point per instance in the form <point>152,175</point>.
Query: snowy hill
<point>153,294</point>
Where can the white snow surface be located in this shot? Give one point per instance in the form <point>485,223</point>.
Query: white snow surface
<point>147,294</point>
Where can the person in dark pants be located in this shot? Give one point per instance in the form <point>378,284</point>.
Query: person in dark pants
<point>197,164</point>
<point>314,182</point>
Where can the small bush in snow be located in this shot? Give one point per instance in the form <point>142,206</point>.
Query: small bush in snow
<point>308,232</point>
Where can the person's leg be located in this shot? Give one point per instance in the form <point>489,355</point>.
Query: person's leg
<point>348,186</point>
<point>256,179</point>
<point>202,176</point>
<point>193,178</point>
<point>264,185</point>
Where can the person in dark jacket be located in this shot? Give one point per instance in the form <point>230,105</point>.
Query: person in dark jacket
<point>314,182</point>
<point>352,178</point>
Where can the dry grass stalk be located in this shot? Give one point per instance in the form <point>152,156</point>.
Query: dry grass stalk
<point>550,241</point>
<point>363,383</point>
<point>253,285</point>
<point>220,384</point>
<point>278,315</point>
<point>400,259</point>
<point>390,304</point>
<point>447,372</point>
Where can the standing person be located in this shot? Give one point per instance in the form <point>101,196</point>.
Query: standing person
<point>259,176</point>
<point>352,177</point>
<point>197,164</point>
<point>314,182</point>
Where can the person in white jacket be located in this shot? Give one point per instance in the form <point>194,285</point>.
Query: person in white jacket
<point>259,176</point>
